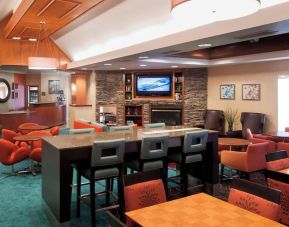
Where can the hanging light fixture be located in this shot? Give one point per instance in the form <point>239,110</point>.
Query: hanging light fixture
<point>218,10</point>
<point>42,63</point>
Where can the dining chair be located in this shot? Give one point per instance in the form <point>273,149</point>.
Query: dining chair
<point>256,198</point>
<point>246,162</point>
<point>283,146</point>
<point>277,161</point>
<point>194,146</point>
<point>105,163</point>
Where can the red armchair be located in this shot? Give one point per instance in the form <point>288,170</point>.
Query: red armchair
<point>81,124</point>
<point>55,131</point>
<point>11,154</point>
<point>9,135</point>
<point>283,146</point>
<point>250,161</point>
<point>261,139</point>
<point>24,131</point>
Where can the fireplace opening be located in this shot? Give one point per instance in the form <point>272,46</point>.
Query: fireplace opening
<point>170,115</point>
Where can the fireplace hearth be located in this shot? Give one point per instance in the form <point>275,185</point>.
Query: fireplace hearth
<point>170,115</point>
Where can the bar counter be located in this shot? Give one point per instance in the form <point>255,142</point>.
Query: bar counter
<point>61,151</point>
<point>50,114</point>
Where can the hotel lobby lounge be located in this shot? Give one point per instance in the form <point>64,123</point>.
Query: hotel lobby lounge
<point>144,113</point>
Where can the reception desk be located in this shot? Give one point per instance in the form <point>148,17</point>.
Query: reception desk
<point>50,114</point>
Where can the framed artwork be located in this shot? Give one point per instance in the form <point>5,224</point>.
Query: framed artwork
<point>53,86</point>
<point>251,92</point>
<point>227,91</point>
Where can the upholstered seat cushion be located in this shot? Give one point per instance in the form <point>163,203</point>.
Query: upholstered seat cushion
<point>177,157</point>
<point>278,164</point>
<point>99,174</point>
<point>150,165</point>
<point>254,204</point>
<point>284,188</point>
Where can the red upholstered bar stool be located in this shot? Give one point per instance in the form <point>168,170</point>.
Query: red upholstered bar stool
<point>256,198</point>
<point>276,162</point>
<point>11,154</point>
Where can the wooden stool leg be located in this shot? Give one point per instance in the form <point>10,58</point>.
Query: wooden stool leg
<point>107,188</point>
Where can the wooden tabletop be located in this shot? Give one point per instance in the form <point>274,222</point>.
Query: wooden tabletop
<point>27,138</point>
<point>198,210</point>
<point>34,127</point>
<point>281,134</point>
<point>285,171</point>
<point>134,135</point>
<point>233,142</point>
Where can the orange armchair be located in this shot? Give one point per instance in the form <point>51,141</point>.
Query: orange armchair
<point>55,131</point>
<point>250,161</point>
<point>24,131</point>
<point>36,151</point>
<point>283,146</point>
<point>11,154</point>
<point>272,147</point>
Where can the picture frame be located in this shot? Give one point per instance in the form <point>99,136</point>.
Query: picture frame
<point>227,91</point>
<point>251,92</point>
<point>53,86</point>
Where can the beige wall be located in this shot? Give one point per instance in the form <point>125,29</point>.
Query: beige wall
<point>265,74</point>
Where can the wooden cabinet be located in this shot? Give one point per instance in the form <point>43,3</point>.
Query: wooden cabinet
<point>178,86</point>
<point>133,114</point>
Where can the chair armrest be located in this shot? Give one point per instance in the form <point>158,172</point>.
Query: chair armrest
<point>235,134</point>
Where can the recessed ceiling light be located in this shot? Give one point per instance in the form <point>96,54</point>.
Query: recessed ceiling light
<point>175,66</point>
<point>143,57</point>
<point>16,38</point>
<point>122,68</point>
<point>142,65</point>
<point>32,39</point>
<point>205,45</point>
<point>108,64</point>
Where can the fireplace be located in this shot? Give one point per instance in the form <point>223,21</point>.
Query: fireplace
<point>170,115</point>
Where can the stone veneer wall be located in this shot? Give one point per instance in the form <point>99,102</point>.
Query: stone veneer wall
<point>109,90</point>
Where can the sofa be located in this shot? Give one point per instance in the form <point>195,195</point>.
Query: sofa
<point>77,124</point>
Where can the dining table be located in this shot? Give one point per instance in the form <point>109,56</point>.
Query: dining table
<point>60,152</point>
<point>233,142</point>
<point>200,210</point>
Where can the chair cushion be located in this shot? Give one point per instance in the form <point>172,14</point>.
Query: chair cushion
<point>254,204</point>
<point>149,165</point>
<point>284,188</point>
<point>278,164</point>
<point>177,158</point>
<point>144,194</point>
<point>99,174</point>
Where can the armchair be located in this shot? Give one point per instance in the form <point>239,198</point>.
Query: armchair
<point>213,120</point>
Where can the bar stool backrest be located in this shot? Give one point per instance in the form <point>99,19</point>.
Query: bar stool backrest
<point>195,142</point>
<point>120,128</point>
<point>108,152</point>
<point>155,125</point>
<point>154,146</point>
<point>82,131</point>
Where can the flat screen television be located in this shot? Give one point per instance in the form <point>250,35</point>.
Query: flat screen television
<point>153,84</point>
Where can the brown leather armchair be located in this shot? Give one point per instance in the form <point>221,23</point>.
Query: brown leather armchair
<point>214,120</point>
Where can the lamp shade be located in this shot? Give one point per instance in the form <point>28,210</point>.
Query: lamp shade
<point>42,63</point>
<point>217,10</point>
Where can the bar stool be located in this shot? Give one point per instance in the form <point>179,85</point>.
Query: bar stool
<point>105,163</point>
<point>120,128</point>
<point>194,145</point>
<point>155,125</point>
<point>153,155</point>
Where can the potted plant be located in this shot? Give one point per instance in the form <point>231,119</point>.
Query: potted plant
<point>231,116</point>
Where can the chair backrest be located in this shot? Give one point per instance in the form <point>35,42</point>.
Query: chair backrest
<point>256,156</point>
<point>55,131</point>
<point>148,182</point>
<point>120,128</point>
<point>153,147</point>
<point>82,131</point>
<point>38,143</point>
<point>277,160</point>
<point>254,121</point>
<point>214,120</point>
<point>155,125</point>
<point>256,198</point>
<point>107,152</point>
<point>9,135</point>
<point>195,141</point>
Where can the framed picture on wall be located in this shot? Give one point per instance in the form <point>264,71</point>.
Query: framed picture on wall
<point>227,91</point>
<point>251,92</point>
<point>53,86</point>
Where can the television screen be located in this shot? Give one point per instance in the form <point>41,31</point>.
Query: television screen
<point>153,85</point>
